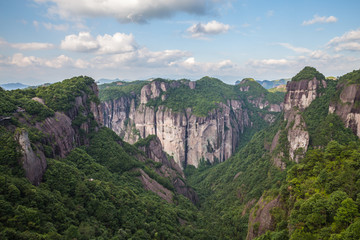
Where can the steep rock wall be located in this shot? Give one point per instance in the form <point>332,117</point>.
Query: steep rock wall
<point>183,135</point>
<point>169,169</point>
<point>299,96</point>
<point>347,108</point>
<point>33,161</point>
<point>60,133</point>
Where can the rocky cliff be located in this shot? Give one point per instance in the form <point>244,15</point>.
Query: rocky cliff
<point>185,135</point>
<point>168,169</point>
<point>299,96</point>
<point>60,133</point>
<point>347,106</point>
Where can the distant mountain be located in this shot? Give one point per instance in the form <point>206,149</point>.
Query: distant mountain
<point>104,80</point>
<point>273,83</point>
<point>267,84</point>
<point>13,86</point>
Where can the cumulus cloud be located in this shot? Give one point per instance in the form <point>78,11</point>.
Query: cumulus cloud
<point>18,59</point>
<point>318,19</point>
<point>83,42</point>
<point>143,58</point>
<point>204,68</point>
<point>200,30</point>
<point>349,41</point>
<point>127,11</point>
<point>266,63</point>
<point>107,44</point>
<point>27,46</point>
<point>295,49</point>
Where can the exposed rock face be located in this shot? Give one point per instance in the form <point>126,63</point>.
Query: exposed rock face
<point>183,135</point>
<point>297,136</point>
<point>262,104</point>
<point>155,187</point>
<point>260,218</point>
<point>60,133</point>
<point>169,169</point>
<point>348,109</point>
<point>33,162</point>
<point>299,96</point>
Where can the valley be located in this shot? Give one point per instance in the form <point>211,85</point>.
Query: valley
<point>181,159</point>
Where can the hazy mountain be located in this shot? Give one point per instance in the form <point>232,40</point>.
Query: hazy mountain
<point>13,86</point>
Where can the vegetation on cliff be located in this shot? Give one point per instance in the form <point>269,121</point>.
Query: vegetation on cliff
<point>351,77</point>
<point>308,73</point>
<point>321,195</point>
<point>61,96</point>
<point>116,90</point>
<point>96,190</point>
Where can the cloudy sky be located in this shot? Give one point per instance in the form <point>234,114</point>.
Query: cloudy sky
<point>50,40</point>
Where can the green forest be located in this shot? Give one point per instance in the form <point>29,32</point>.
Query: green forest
<point>96,191</point>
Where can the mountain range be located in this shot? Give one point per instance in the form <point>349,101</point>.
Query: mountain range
<point>181,159</point>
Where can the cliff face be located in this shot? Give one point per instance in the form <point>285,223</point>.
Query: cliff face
<point>183,135</point>
<point>33,161</point>
<point>261,219</point>
<point>299,96</point>
<point>62,132</point>
<point>169,169</point>
<point>347,108</point>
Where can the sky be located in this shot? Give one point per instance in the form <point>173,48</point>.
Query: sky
<point>45,41</point>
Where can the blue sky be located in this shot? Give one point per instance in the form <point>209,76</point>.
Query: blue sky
<point>50,40</point>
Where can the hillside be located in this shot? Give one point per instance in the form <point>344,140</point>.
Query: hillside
<point>294,179</point>
<point>66,176</point>
<point>203,120</point>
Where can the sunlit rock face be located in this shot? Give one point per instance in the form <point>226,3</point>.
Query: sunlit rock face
<point>184,136</point>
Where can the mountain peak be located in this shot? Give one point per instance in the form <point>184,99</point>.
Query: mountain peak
<point>308,73</point>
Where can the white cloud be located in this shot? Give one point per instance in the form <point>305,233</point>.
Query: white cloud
<point>211,28</point>
<point>18,59</point>
<point>141,58</point>
<point>127,11</point>
<point>57,27</point>
<point>295,49</point>
<point>107,44</point>
<point>204,68</point>
<point>266,63</point>
<point>318,19</point>
<point>348,41</point>
<point>32,46</point>
<point>117,43</point>
<point>27,46</point>
<point>83,42</point>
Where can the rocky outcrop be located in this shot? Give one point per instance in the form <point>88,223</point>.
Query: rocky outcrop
<point>261,103</point>
<point>347,107</point>
<point>183,135</point>
<point>260,218</point>
<point>63,132</point>
<point>60,133</point>
<point>299,96</point>
<point>154,186</point>
<point>33,160</point>
<point>169,168</point>
<point>297,136</point>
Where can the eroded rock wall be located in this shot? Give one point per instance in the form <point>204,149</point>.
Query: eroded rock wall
<point>183,135</point>
<point>347,107</point>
